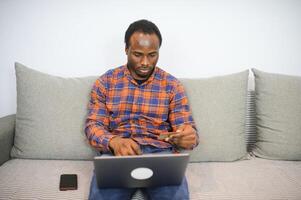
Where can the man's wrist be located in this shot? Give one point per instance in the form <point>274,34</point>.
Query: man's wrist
<point>110,146</point>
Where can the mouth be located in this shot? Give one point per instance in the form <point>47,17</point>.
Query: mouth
<point>145,70</point>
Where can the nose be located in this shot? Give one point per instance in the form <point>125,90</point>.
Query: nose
<point>145,61</point>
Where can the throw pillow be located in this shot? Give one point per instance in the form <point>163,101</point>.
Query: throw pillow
<point>218,106</point>
<point>278,113</point>
<point>50,116</point>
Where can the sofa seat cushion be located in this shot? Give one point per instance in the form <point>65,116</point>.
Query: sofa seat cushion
<point>39,179</point>
<point>255,179</point>
<point>247,179</point>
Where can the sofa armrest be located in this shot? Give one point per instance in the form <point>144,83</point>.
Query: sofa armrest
<point>7,131</point>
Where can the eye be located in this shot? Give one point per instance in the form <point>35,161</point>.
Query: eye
<point>153,55</point>
<point>137,54</point>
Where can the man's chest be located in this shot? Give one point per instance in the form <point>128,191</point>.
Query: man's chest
<point>151,100</point>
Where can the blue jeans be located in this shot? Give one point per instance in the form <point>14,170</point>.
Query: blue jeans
<point>178,192</point>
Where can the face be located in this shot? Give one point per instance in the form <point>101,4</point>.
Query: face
<point>142,54</point>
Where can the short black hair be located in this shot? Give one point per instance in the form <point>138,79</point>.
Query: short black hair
<point>143,26</point>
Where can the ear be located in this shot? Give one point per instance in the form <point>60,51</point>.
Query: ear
<point>126,51</point>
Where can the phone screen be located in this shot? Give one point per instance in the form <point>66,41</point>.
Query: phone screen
<point>68,182</point>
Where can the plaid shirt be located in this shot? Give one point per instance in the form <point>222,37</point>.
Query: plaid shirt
<point>121,107</point>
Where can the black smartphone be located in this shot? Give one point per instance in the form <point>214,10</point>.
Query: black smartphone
<point>68,182</point>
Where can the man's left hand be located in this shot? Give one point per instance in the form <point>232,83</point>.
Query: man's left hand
<point>185,137</point>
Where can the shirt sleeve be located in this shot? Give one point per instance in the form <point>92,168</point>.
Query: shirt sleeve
<point>97,122</point>
<point>179,110</point>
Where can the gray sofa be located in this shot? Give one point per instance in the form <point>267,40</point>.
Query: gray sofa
<point>242,154</point>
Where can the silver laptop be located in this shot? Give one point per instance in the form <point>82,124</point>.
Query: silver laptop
<point>149,170</point>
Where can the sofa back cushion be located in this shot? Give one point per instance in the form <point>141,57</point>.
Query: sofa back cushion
<point>278,112</point>
<point>51,113</point>
<point>50,116</point>
<point>218,106</point>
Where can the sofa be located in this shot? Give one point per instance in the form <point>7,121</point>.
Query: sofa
<point>250,141</point>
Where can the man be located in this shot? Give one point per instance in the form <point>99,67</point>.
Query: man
<point>134,105</point>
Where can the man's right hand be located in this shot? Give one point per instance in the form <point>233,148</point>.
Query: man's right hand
<point>124,146</point>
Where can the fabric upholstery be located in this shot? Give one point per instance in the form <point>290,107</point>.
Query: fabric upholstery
<point>278,108</point>
<point>7,130</point>
<point>250,121</point>
<point>50,116</point>
<point>255,179</point>
<point>218,106</point>
<point>56,107</point>
<point>39,179</point>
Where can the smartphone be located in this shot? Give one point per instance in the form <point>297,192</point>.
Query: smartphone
<point>68,182</point>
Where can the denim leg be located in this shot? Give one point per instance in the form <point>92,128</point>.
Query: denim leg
<point>178,192</point>
<point>108,193</point>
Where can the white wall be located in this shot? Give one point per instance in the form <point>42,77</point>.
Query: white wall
<point>200,38</point>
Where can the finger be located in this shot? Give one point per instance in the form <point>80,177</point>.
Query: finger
<point>170,141</point>
<point>117,154</point>
<point>175,140</point>
<point>136,149</point>
<point>188,136</point>
<point>176,136</point>
<point>121,152</point>
<point>190,129</point>
<point>181,128</point>
<point>189,133</point>
<point>187,142</point>
<point>186,145</point>
<point>130,152</point>
<point>125,152</point>
<point>133,148</point>
<point>179,134</point>
<point>179,141</point>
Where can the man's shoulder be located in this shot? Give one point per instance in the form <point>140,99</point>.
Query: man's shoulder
<point>117,72</point>
<point>166,76</point>
<point>170,82</point>
<point>109,76</point>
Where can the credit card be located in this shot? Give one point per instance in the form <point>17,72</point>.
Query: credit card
<point>165,135</point>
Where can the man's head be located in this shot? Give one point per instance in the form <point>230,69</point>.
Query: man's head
<point>142,42</point>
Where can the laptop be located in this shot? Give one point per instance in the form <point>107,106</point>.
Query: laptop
<point>142,171</point>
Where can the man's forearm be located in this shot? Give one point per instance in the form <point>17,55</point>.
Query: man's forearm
<point>98,136</point>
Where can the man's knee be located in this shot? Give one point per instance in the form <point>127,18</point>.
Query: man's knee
<point>170,192</point>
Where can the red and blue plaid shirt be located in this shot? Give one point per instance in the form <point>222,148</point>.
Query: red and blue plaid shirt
<point>119,106</point>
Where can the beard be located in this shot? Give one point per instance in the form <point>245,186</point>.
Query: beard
<point>144,71</point>
<point>140,72</point>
